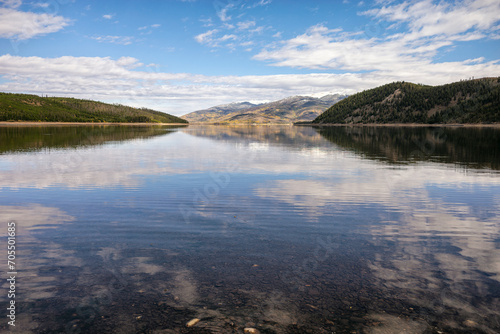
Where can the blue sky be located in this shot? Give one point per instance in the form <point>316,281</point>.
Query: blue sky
<point>178,56</point>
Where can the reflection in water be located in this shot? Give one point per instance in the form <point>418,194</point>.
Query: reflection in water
<point>274,228</point>
<point>444,256</point>
<point>69,155</point>
<point>447,255</point>
<point>290,136</point>
<point>26,139</point>
<point>471,147</point>
<point>38,264</point>
<point>31,218</point>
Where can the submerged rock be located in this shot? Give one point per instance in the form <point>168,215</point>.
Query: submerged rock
<point>470,323</point>
<point>192,322</point>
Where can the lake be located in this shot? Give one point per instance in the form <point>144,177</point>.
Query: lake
<point>140,229</point>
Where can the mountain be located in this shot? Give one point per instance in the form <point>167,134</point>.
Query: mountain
<point>469,101</point>
<point>213,114</point>
<point>24,107</point>
<point>288,110</point>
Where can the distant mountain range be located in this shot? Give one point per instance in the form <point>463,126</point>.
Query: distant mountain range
<point>464,102</point>
<point>288,110</point>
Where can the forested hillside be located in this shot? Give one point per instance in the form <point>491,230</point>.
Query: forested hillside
<point>470,101</point>
<point>23,107</point>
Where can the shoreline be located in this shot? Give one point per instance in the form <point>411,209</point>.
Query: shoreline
<point>454,125</point>
<point>451,125</point>
<point>83,124</point>
<point>242,124</point>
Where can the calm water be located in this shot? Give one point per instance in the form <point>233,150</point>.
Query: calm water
<point>283,229</point>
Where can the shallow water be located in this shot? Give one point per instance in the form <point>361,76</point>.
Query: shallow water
<point>283,229</point>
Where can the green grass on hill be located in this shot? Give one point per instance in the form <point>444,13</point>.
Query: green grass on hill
<point>24,107</point>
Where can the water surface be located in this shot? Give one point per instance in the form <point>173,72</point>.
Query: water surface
<point>283,229</point>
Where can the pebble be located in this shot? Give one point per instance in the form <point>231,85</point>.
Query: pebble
<point>470,323</point>
<point>192,322</point>
<point>250,330</point>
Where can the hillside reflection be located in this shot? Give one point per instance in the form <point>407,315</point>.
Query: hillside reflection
<point>275,135</point>
<point>35,138</point>
<point>470,147</point>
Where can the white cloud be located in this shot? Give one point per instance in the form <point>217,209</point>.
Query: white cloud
<point>207,22</point>
<point>257,30</point>
<point>245,25</point>
<point>425,18</point>
<point>122,40</point>
<point>243,28</point>
<point>226,34</point>
<point>223,10</point>
<point>211,39</point>
<point>260,3</point>
<point>228,37</point>
<point>20,25</point>
<point>400,56</point>
<point>41,4</point>
<point>323,48</point>
<point>205,37</point>
<point>153,26</point>
<point>126,80</point>
<point>11,3</point>
<point>108,16</point>
<point>222,13</point>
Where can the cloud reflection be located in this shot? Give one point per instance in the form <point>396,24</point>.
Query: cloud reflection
<point>123,163</point>
<point>436,244</point>
<point>31,217</point>
<point>39,263</point>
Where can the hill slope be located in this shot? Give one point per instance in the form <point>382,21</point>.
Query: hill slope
<point>24,107</point>
<point>288,110</point>
<point>213,114</point>
<point>472,101</point>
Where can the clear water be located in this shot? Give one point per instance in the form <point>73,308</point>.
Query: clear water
<point>283,229</point>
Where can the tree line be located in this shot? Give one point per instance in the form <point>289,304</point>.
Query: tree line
<point>472,101</point>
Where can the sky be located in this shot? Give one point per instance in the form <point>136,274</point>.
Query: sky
<point>178,56</point>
